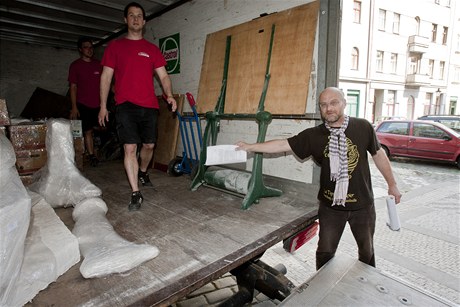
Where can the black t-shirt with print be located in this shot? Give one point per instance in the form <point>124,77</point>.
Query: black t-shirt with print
<point>361,139</point>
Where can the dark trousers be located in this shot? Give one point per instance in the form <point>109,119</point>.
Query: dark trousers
<point>331,225</point>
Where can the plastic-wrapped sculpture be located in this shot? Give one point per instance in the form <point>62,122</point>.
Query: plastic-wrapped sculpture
<point>49,249</point>
<point>14,220</point>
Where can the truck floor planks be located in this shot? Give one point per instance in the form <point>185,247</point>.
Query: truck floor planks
<point>201,235</point>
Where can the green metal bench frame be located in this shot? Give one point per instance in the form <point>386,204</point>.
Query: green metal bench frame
<point>256,187</point>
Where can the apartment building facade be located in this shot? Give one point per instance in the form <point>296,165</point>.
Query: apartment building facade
<point>400,58</point>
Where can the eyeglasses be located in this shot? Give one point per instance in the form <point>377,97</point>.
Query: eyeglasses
<point>87,47</point>
<point>333,103</point>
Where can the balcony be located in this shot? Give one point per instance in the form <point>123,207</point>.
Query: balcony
<point>417,80</point>
<point>418,44</point>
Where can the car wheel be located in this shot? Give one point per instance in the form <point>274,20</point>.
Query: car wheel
<point>387,151</point>
<point>458,162</point>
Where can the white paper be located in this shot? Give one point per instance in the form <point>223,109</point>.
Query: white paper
<point>393,217</point>
<point>224,154</point>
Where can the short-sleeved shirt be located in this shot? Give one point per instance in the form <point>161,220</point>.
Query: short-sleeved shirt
<point>134,63</point>
<point>361,140</point>
<point>87,77</point>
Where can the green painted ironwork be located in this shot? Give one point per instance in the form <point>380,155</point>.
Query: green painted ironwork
<point>256,188</point>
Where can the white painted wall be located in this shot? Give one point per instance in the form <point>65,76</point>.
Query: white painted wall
<point>205,17</point>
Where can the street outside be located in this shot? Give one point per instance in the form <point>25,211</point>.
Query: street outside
<point>424,252</point>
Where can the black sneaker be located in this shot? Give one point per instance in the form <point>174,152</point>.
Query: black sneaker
<point>144,179</point>
<point>136,201</point>
<point>93,161</point>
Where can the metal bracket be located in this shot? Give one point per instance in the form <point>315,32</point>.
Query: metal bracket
<point>257,275</point>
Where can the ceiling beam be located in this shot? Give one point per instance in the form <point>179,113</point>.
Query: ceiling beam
<point>67,21</point>
<point>48,5</point>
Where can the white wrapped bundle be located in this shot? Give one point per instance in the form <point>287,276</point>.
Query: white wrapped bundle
<point>50,250</point>
<point>104,251</point>
<point>60,182</point>
<point>14,220</point>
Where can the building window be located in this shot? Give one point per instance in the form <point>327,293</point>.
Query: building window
<point>413,65</point>
<point>417,25</point>
<point>444,35</point>
<point>354,58</point>
<point>453,105</point>
<point>357,11</point>
<point>442,64</point>
<point>430,68</point>
<point>379,60</point>
<point>456,75</point>
<point>396,19</point>
<point>394,63</point>
<point>382,17</point>
<point>434,29</point>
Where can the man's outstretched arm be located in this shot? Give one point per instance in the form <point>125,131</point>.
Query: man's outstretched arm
<point>273,146</point>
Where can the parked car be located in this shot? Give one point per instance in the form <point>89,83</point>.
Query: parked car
<point>419,139</point>
<point>451,121</point>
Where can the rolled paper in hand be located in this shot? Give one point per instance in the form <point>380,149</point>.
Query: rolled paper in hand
<point>393,217</point>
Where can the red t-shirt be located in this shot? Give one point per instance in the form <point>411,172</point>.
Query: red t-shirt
<point>134,62</point>
<point>87,77</point>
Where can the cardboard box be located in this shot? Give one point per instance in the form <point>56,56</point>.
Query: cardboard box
<point>30,161</point>
<point>26,136</point>
<point>4,116</point>
<point>26,179</point>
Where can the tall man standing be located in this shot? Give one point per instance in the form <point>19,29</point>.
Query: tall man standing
<point>340,146</point>
<point>134,61</point>
<point>84,79</point>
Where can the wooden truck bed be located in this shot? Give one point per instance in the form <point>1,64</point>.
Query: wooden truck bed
<point>201,235</point>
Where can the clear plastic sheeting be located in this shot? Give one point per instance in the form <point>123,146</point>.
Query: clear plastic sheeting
<point>15,206</point>
<point>60,182</point>
<point>104,251</point>
<point>50,250</point>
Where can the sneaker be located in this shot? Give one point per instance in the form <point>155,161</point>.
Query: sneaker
<point>144,179</point>
<point>93,161</point>
<point>136,201</point>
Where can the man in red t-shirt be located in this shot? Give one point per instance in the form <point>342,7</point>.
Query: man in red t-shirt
<point>84,80</point>
<point>133,61</point>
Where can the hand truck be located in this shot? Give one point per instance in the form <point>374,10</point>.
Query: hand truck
<point>188,163</point>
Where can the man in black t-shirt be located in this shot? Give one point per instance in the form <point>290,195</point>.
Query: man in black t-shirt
<point>340,146</point>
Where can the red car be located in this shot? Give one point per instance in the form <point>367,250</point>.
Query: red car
<point>419,139</point>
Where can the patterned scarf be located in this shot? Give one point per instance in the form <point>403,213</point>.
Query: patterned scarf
<point>339,162</point>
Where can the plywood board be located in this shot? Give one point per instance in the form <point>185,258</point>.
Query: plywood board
<point>168,132</point>
<point>290,64</point>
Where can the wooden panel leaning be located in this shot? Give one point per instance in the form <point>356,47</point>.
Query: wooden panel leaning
<point>290,67</point>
